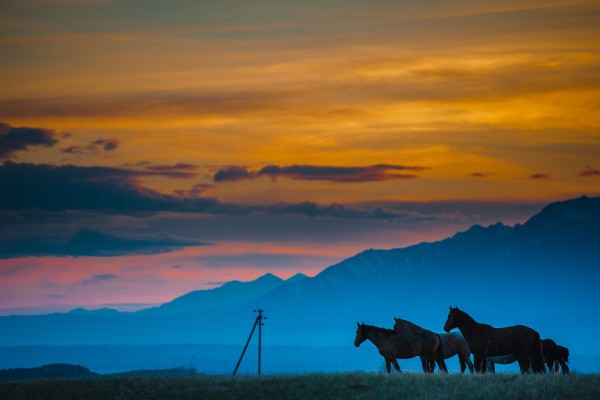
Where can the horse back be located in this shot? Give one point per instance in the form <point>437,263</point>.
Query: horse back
<point>408,345</point>
<point>501,341</point>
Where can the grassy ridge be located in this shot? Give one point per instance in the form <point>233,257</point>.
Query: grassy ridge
<point>318,386</point>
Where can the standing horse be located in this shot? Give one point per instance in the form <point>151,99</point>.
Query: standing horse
<point>485,340</point>
<point>452,343</point>
<point>392,345</point>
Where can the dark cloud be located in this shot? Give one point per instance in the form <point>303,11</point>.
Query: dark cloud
<point>540,175</point>
<point>233,173</point>
<point>14,139</point>
<point>589,171</point>
<point>109,144</point>
<point>336,210</point>
<point>372,173</point>
<point>69,187</point>
<point>89,242</point>
<point>109,190</point>
<point>482,174</point>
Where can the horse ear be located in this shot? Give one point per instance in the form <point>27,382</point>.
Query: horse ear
<point>395,319</point>
<point>357,324</point>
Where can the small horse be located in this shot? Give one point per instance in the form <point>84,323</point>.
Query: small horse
<point>392,345</point>
<point>452,343</point>
<point>485,340</point>
<point>555,355</point>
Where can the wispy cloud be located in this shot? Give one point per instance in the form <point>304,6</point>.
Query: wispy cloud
<point>372,173</point>
<point>100,278</point>
<point>540,175</point>
<point>588,172</point>
<point>109,144</point>
<point>482,174</point>
<point>89,242</point>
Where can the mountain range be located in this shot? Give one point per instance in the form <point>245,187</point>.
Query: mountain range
<point>543,273</point>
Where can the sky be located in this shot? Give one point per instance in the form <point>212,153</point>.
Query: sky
<point>150,148</point>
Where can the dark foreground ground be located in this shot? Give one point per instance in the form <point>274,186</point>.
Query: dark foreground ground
<point>318,386</point>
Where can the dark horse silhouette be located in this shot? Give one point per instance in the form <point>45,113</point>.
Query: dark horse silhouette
<point>453,343</point>
<point>555,355</point>
<point>485,340</point>
<point>392,345</point>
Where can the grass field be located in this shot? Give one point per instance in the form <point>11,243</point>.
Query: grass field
<point>317,386</point>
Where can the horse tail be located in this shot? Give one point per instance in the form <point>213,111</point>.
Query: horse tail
<point>537,355</point>
<point>439,355</point>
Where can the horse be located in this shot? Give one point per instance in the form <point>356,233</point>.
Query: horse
<point>392,345</point>
<point>555,355</point>
<point>485,340</point>
<point>452,343</point>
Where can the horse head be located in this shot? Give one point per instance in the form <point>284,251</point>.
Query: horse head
<point>399,326</point>
<point>451,322</point>
<point>361,334</point>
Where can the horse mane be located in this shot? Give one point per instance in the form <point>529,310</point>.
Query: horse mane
<point>465,315</point>
<point>409,323</point>
<point>385,330</point>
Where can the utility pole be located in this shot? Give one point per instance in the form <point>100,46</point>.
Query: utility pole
<point>257,321</point>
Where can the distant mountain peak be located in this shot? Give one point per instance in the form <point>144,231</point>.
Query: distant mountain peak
<point>580,210</point>
<point>268,277</point>
<point>296,278</point>
<point>230,294</point>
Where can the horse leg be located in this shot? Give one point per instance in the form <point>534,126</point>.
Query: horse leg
<point>467,358</point>
<point>395,362</point>
<point>564,366</point>
<point>425,363</point>
<point>524,364</point>
<point>463,365</point>
<point>441,363</point>
<point>479,363</point>
<point>491,366</point>
<point>388,365</point>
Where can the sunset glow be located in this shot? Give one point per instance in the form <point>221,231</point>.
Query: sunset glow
<point>149,151</point>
